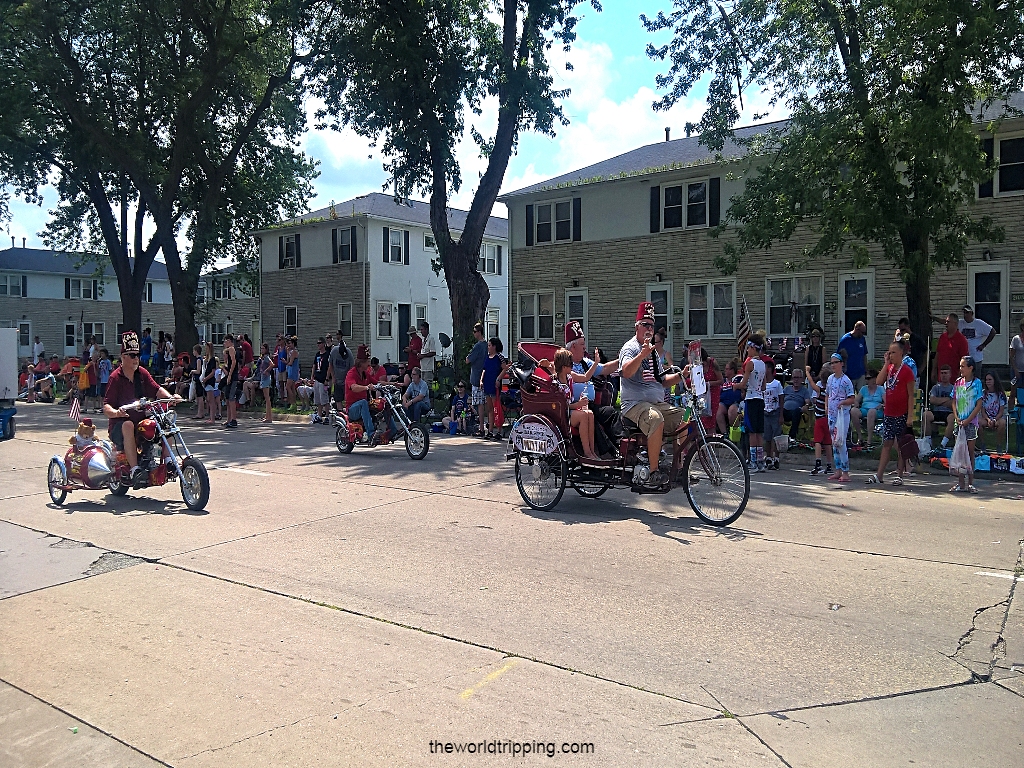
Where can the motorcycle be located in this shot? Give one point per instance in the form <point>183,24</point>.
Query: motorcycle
<point>386,409</point>
<point>93,465</point>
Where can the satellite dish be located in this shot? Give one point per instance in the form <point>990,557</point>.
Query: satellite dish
<point>445,340</point>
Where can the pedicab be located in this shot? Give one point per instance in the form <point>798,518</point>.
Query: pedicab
<point>548,455</point>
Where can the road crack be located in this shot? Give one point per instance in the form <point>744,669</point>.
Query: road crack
<point>247,738</point>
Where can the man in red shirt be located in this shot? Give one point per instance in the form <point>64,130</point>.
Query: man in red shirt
<point>358,384</point>
<point>415,345</point>
<point>128,383</point>
<point>952,345</point>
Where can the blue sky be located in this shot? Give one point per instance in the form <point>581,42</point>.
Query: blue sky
<point>609,110</point>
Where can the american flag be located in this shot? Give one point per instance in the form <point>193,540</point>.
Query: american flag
<point>743,332</point>
<point>76,409</point>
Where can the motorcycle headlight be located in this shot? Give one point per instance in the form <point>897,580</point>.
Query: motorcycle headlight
<point>171,417</point>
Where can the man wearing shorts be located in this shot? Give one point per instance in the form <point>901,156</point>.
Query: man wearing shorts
<point>232,366</point>
<point>754,377</point>
<point>321,371</point>
<point>643,390</point>
<point>475,360</point>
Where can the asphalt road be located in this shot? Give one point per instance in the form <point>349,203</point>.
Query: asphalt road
<point>368,610</point>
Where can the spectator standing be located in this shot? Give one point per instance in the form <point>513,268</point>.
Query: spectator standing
<point>772,421</point>
<point>292,369</point>
<point>822,436</point>
<point>412,349</point>
<point>416,399</point>
<point>952,345</point>
<point>940,401</point>
<point>815,355</point>
<point>490,373</point>
<point>898,411</point>
<point>341,362</point>
<point>754,372</point>
<point>979,335</point>
<point>993,414</point>
<point>870,403</point>
<point>1017,366</point>
<point>168,350</point>
<point>281,358</point>
<point>232,380</point>
<point>796,396</point>
<point>146,347</point>
<point>853,348</point>
<point>428,351</point>
<point>839,395</point>
<point>969,399</point>
<point>475,360</point>
<point>105,367</point>
<point>247,355</point>
<point>197,380</point>
<point>209,381</point>
<point>158,355</point>
<point>321,373</point>
<point>265,372</point>
<point>918,349</point>
<point>460,409</point>
<point>38,351</point>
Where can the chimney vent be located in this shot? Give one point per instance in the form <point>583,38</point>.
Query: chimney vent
<point>23,242</point>
<point>13,241</point>
<point>666,133</point>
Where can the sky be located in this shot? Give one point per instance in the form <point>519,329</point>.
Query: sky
<point>609,110</point>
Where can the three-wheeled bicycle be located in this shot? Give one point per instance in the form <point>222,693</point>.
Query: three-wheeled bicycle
<point>548,456</point>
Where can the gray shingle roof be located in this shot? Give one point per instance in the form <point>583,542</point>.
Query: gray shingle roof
<point>58,262</point>
<point>414,212</point>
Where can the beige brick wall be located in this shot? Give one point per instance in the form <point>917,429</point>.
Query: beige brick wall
<point>616,274</point>
<point>316,293</point>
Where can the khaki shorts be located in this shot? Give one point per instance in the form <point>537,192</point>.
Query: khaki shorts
<point>648,416</point>
<point>427,376</point>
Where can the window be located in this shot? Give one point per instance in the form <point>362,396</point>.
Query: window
<point>696,205</point>
<point>344,245</point>
<point>421,314</point>
<point>288,258</point>
<point>543,223</point>
<point>710,310</point>
<point>76,289</point>
<point>554,221</point>
<point>345,320</point>
<point>218,331</point>
<point>10,285</point>
<point>794,305</point>
<point>96,330</point>
<point>395,251</point>
<point>24,334</point>
<point>536,316</point>
<point>492,322</point>
<point>429,244</point>
<point>149,292</point>
<point>384,319</point>
<point>69,335</point>
<point>221,288</point>
<point>577,307</point>
<point>200,332</point>
<point>563,220</point>
<point>1011,165</point>
<point>488,259</point>
<point>660,294</point>
<point>201,293</point>
<point>291,321</point>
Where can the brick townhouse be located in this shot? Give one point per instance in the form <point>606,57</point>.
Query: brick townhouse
<point>588,245</point>
<point>364,266</point>
<point>43,293</point>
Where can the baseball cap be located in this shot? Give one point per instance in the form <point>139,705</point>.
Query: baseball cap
<point>968,308</point>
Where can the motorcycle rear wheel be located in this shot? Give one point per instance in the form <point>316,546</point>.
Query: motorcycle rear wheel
<point>54,479</point>
<point>341,439</point>
<point>195,483</point>
<point>417,441</point>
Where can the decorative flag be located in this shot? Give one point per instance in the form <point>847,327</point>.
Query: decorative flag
<point>76,409</point>
<point>744,331</point>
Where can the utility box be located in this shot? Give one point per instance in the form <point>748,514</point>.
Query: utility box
<point>8,365</point>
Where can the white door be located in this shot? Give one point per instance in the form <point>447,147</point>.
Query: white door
<point>255,337</point>
<point>25,339</point>
<point>857,302</point>
<point>660,294</point>
<point>988,291</point>
<point>70,344</point>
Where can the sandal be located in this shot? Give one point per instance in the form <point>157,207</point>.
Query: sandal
<point>955,488</point>
<point>872,480</point>
<point>971,489</point>
<point>898,480</point>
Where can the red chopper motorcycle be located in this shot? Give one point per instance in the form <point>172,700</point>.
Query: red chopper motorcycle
<point>348,433</point>
<point>94,465</point>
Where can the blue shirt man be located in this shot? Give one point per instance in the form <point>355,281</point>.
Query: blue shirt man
<point>415,408</point>
<point>146,347</point>
<point>854,349</point>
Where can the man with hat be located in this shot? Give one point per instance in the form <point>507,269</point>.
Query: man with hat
<point>413,347</point>
<point>428,351</point>
<point>358,385</point>
<point>642,390</point>
<point>604,415</point>
<point>979,335</point>
<point>128,383</point>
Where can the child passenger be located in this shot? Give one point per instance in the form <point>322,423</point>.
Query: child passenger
<point>580,415</point>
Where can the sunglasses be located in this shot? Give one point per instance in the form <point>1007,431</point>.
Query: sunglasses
<point>648,326</point>
<point>132,355</point>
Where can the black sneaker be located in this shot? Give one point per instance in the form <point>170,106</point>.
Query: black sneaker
<point>137,477</point>
<point>818,470</point>
<point>656,479</point>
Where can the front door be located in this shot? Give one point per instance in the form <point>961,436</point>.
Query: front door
<point>70,345</point>
<point>660,294</point>
<point>25,338</point>
<point>255,336</point>
<point>988,286</point>
<point>402,333</point>
<point>857,302</point>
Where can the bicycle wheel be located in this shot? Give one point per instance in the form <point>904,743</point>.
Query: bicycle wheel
<point>541,479</point>
<point>717,481</point>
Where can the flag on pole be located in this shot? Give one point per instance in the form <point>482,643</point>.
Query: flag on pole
<point>76,409</point>
<point>744,331</point>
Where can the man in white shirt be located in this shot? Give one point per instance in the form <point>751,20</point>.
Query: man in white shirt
<point>37,351</point>
<point>978,333</point>
<point>428,350</point>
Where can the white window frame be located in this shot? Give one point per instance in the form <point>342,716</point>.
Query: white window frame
<point>200,292</point>
<point>429,244</point>
<point>24,331</point>
<point>221,289</point>
<point>217,333</point>
<point>76,281</point>
<point>295,325</point>
<point>9,282</point>
<point>201,331</point>
<point>345,305</point>
<point>385,314</point>
<point>344,235</point>
<point>858,274</point>
<point>535,314</point>
<point>685,184</point>
<point>93,332</point>
<point>710,309</point>
<point>392,245</point>
<point>147,297</point>
<point>793,276</point>
<point>419,312</point>
<point>492,317</point>
<point>488,253</point>
<point>74,337</point>
<point>997,148</point>
<point>553,204</point>
<point>289,261</point>
<point>585,294</point>
<point>664,286</point>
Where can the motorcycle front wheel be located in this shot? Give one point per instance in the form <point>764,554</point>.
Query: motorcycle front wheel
<point>54,479</point>
<point>417,441</point>
<point>541,479</point>
<point>717,480</point>
<point>118,487</point>
<point>195,483</point>
<point>341,439</point>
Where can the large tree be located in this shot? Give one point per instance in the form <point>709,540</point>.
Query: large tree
<point>882,145</point>
<point>187,113</point>
<point>405,75</point>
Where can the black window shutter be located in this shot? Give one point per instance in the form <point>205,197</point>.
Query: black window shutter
<point>529,225</point>
<point>387,245</point>
<point>499,259</point>
<point>352,243</point>
<point>406,241</point>
<point>298,252</point>
<point>280,253</point>
<point>334,246</point>
<point>655,209</point>
<point>24,287</point>
<point>67,287</point>
<point>985,188</point>
<point>577,222</point>
<point>714,201</point>
<point>94,296</point>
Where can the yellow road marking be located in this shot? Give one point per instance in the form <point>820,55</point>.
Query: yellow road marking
<point>489,679</point>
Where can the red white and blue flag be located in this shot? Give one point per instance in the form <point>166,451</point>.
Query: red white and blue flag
<point>76,409</point>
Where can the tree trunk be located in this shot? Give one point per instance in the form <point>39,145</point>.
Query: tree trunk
<point>469,296</point>
<point>917,278</point>
<point>183,296</point>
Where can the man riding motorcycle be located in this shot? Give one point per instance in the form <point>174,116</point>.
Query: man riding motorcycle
<point>128,383</point>
<point>358,385</point>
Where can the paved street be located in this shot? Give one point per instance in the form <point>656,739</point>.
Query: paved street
<point>364,610</point>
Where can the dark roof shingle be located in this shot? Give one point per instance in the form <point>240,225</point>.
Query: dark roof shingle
<point>58,262</point>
